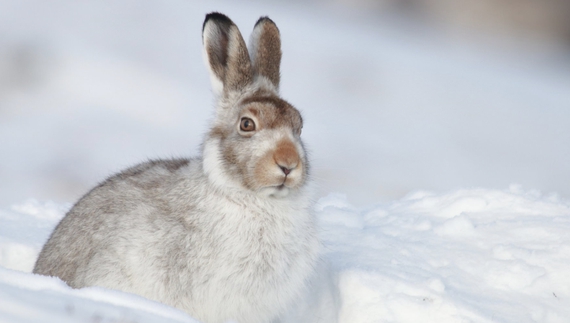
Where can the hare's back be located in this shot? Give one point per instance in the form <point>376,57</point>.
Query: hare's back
<point>99,232</point>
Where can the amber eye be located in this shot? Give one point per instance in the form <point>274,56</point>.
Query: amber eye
<point>247,125</point>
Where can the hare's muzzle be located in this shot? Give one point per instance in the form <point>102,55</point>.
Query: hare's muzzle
<point>286,156</point>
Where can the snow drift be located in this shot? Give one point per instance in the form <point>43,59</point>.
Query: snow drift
<point>471,255</point>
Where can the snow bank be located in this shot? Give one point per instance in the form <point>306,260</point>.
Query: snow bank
<point>472,255</point>
<point>465,256</point>
<point>32,298</point>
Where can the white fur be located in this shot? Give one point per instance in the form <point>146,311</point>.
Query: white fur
<point>213,166</point>
<point>254,41</point>
<point>264,82</point>
<point>244,299</point>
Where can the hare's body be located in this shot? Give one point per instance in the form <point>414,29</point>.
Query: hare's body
<point>163,232</point>
<point>227,236</point>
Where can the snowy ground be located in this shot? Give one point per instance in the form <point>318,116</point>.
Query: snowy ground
<point>464,256</point>
<point>390,108</point>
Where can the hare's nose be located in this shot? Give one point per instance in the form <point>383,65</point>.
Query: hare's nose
<point>286,156</point>
<point>285,170</point>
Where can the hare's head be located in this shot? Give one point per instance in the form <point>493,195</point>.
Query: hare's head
<point>255,142</point>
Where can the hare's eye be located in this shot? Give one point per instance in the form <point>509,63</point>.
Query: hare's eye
<point>247,125</point>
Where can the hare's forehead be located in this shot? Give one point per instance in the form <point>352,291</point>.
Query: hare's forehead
<point>271,112</point>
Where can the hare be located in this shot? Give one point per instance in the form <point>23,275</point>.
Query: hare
<point>225,236</point>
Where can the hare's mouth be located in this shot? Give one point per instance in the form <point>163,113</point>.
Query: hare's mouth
<point>278,191</point>
<point>281,191</point>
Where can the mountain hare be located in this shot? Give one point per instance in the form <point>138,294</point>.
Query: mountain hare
<point>225,236</point>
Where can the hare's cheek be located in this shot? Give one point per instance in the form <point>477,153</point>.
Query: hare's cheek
<point>266,172</point>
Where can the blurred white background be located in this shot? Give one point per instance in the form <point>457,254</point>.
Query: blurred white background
<point>397,95</point>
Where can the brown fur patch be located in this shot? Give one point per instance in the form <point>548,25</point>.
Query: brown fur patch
<point>217,45</point>
<point>233,165</point>
<point>219,132</point>
<point>286,116</point>
<point>227,52</point>
<point>286,154</point>
<point>239,73</point>
<point>174,164</point>
<point>268,52</point>
<point>267,173</point>
<point>263,174</point>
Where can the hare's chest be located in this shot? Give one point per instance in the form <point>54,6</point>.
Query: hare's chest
<point>259,239</point>
<point>260,265</point>
<point>262,242</point>
<point>250,260</point>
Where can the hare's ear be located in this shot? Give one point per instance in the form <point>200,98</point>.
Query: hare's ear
<point>265,47</point>
<point>226,54</point>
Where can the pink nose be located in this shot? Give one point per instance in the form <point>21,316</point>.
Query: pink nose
<point>285,170</point>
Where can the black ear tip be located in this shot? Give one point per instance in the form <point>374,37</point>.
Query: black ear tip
<point>217,17</point>
<point>262,19</point>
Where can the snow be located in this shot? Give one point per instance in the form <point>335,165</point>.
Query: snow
<point>415,141</point>
<point>464,256</point>
<point>470,255</point>
<point>33,298</point>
